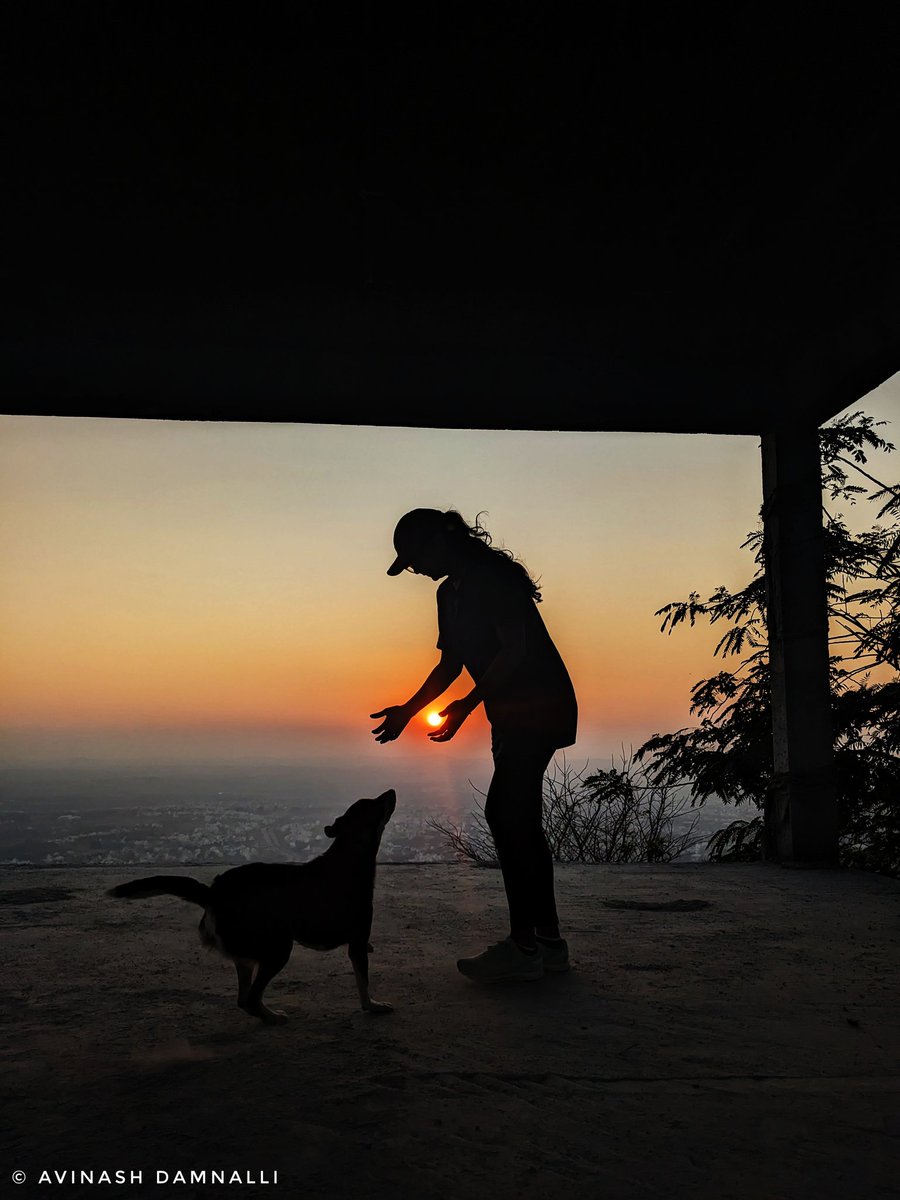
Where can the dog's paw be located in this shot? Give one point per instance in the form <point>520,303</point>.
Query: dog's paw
<point>378,1006</point>
<point>271,1016</point>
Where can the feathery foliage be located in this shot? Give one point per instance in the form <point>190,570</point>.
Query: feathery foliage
<point>729,752</point>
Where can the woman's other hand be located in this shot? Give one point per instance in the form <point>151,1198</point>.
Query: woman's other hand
<point>454,715</point>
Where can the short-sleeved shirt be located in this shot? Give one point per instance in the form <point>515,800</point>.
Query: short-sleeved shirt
<point>538,701</point>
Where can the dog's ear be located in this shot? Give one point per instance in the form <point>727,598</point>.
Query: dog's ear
<point>330,831</point>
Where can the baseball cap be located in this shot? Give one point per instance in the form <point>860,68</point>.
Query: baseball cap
<point>411,531</point>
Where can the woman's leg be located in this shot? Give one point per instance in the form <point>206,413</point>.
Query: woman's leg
<point>514,814</point>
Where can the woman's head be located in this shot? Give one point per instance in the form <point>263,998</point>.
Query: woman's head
<point>430,542</point>
<point>421,539</point>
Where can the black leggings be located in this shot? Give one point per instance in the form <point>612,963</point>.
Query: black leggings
<point>513,811</point>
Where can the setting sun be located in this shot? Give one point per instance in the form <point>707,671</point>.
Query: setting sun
<point>434,718</point>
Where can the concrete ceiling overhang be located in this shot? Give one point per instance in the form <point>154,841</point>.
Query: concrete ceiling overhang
<point>272,220</point>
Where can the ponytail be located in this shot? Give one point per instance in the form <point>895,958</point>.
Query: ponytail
<point>477,542</point>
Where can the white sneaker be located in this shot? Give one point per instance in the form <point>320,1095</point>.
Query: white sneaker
<point>555,954</point>
<point>504,962</point>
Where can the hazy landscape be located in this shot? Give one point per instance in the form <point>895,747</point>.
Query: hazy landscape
<point>98,814</point>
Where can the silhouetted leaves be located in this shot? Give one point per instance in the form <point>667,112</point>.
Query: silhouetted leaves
<point>739,841</point>
<point>728,754</point>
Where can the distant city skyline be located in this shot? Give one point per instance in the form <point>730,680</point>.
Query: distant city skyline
<point>207,587</point>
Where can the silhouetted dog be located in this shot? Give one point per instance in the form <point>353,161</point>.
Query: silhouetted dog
<point>255,913</point>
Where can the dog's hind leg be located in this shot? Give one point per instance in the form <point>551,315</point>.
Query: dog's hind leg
<point>359,957</point>
<point>245,969</point>
<point>269,966</point>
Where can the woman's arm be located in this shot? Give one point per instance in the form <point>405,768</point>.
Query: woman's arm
<point>502,667</point>
<point>446,672</point>
<point>398,716</point>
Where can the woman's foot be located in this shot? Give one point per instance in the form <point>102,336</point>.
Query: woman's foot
<point>504,962</point>
<point>555,953</point>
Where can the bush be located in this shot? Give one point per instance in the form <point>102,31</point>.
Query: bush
<point>614,816</point>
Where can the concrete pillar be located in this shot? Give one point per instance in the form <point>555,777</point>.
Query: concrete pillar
<point>801,809</point>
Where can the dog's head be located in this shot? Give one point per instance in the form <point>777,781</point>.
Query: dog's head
<point>365,820</point>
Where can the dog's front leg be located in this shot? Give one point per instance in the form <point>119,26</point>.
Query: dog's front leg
<point>359,957</point>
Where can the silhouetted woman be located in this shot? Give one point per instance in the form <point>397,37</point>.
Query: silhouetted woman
<point>489,624</point>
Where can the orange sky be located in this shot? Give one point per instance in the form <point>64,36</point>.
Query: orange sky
<point>196,576</point>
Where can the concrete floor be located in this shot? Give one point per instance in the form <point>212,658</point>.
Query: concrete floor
<point>726,1031</point>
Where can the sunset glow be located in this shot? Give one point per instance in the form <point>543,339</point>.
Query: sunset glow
<point>226,576</point>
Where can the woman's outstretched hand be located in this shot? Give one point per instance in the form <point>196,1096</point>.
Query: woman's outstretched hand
<point>396,718</point>
<point>454,715</point>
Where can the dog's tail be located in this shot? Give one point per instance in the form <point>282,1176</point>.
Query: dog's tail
<point>163,885</point>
